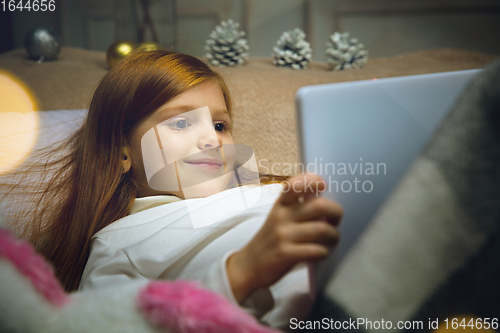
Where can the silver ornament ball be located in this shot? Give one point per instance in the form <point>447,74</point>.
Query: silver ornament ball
<point>42,43</point>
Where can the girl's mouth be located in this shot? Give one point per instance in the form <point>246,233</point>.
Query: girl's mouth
<point>205,163</point>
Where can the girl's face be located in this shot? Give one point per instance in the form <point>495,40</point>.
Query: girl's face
<point>184,147</point>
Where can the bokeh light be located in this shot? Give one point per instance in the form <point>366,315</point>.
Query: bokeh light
<point>19,122</point>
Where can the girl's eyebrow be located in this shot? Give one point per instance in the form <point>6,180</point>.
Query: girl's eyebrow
<point>175,110</point>
<point>170,112</point>
<point>223,111</point>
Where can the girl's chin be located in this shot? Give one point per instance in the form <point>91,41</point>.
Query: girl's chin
<point>207,188</point>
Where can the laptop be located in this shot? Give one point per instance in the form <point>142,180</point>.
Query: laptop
<point>362,136</point>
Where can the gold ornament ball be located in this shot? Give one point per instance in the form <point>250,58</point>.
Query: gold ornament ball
<point>118,51</point>
<point>149,46</point>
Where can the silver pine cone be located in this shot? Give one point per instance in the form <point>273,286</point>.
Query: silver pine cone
<point>226,46</point>
<point>292,50</point>
<point>344,53</point>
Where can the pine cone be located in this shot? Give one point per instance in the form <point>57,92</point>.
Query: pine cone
<point>292,50</point>
<point>342,53</point>
<point>226,46</point>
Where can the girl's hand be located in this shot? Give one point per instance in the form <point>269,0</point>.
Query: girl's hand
<point>300,227</point>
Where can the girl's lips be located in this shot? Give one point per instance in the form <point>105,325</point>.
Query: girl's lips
<point>205,164</point>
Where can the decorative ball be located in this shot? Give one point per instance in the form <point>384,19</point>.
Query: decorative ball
<point>42,43</point>
<point>118,51</point>
<point>149,46</point>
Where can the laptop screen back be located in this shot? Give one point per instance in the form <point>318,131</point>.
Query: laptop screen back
<point>362,136</point>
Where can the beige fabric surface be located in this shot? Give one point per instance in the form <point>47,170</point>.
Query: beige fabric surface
<point>263,95</point>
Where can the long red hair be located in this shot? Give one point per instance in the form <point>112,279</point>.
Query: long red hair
<point>84,190</point>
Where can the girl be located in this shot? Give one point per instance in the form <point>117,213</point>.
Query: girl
<point>159,98</point>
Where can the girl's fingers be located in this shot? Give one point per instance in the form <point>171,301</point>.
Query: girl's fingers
<point>307,252</point>
<point>301,186</point>
<point>319,209</point>
<point>314,232</point>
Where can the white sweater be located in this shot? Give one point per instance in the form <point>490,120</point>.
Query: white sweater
<point>191,240</point>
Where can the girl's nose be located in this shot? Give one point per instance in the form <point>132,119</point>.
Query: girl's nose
<point>209,140</point>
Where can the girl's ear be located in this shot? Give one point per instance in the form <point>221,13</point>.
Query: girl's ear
<point>126,160</point>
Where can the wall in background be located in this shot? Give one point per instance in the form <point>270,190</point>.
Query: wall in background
<point>6,41</point>
<point>386,27</point>
<point>390,27</point>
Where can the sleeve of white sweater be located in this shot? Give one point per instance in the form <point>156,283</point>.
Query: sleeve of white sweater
<point>161,243</point>
<point>259,302</point>
<point>113,267</point>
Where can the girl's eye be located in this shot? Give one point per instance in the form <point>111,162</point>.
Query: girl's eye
<point>220,127</point>
<point>179,124</point>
